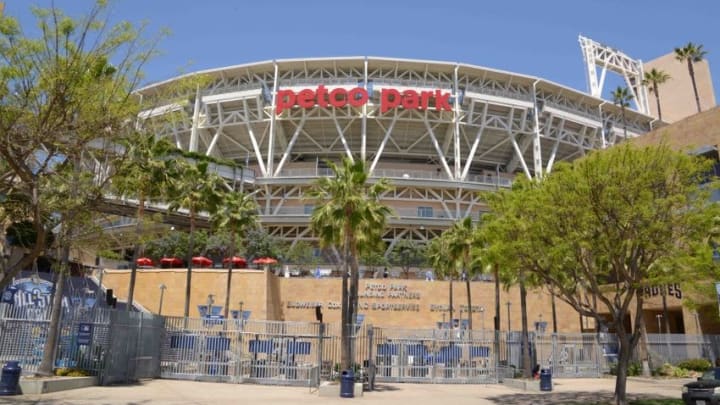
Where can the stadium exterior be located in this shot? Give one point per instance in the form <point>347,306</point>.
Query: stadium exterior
<point>440,131</point>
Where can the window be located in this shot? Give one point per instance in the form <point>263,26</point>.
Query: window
<point>425,212</point>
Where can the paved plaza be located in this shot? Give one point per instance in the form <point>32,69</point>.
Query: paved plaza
<point>571,391</point>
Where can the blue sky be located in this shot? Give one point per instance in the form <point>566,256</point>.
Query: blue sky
<point>530,37</point>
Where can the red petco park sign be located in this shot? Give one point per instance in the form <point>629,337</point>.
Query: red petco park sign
<point>356,97</point>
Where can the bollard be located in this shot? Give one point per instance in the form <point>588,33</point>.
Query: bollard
<point>347,384</point>
<point>545,380</point>
<point>10,378</point>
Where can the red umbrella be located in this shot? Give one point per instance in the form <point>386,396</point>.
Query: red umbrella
<point>144,261</point>
<point>265,260</point>
<point>202,261</point>
<point>171,261</point>
<point>236,261</point>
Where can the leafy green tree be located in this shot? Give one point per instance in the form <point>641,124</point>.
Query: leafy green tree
<point>194,188</point>
<point>301,254</point>
<point>260,244</point>
<point>407,253</point>
<point>144,175</point>
<point>373,259</point>
<point>239,213</point>
<point>349,216</point>
<point>691,53</point>
<point>654,78</point>
<point>622,98</point>
<point>596,230</point>
<point>61,98</point>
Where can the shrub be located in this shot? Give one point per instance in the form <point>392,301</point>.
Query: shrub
<point>78,373</point>
<point>62,371</point>
<point>668,370</point>
<point>695,364</point>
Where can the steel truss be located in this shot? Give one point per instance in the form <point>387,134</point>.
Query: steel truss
<point>500,124</point>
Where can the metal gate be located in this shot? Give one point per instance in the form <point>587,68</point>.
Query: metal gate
<point>286,353</point>
<point>571,355</point>
<point>134,347</point>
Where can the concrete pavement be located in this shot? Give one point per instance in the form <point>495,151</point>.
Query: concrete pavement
<point>165,392</point>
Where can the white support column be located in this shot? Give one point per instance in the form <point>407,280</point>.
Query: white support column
<point>271,135</point>
<point>382,144</point>
<point>537,152</point>
<point>253,140</point>
<point>290,146</point>
<point>558,137</point>
<point>363,135</point>
<point>519,154</point>
<point>192,147</point>
<point>341,134</point>
<point>439,151</point>
<point>475,144</point>
<point>456,122</point>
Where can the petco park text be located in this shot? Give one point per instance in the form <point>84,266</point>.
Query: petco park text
<point>358,96</point>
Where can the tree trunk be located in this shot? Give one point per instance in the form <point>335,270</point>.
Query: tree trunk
<point>622,109</point>
<point>354,282</point>
<point>691,70</point>
<point>657,100</point>
<point>624,353</point>
<point>344,315</point>
<point>526,366</point>
<point>554,313</point>
<point>469,301</point>
<point>48,360</point>
<point>451,304</point>
<point>188,278</point>
<point>229,275</point>
<point>136,251</point>
<point>497,298</point>
<point>644,353</point>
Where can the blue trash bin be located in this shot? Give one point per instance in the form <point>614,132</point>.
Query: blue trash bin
<point>347,384</point>
<point>717,373</point>
<point>10,378</point>
<point>545,380</point>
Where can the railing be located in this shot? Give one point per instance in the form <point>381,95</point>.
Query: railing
<point>486,179</point>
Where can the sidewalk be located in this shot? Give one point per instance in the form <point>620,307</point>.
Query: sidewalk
<point>159,392</point>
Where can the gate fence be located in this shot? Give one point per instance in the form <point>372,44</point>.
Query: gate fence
<point>120,346</point>
<point>115,346</point>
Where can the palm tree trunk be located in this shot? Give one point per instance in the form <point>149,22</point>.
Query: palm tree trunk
<point>554,313</point>
<point>469,301</point>
<point>451,304</point>
<point>188,278</point>
<point>526,367</point>
<point>665,310</point>
<point>229,275</point>
<point>497,297</point>
<point>657,100</point>
<point>691,70</point>
<point>136,250</point>
<point>624,124</point>
<point>345,314</point>
<point>644,353</point>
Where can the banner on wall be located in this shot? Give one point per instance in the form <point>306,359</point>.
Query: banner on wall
<point>29,292</point>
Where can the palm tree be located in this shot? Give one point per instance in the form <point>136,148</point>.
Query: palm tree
<point>142,174</point>
<point>437,256</point>
<point>654,78</point>
<point>622,97</point>
<point>349,214</point>
<point>461,240</point>
<point>691,54</point>
<point>195,189</point>
<point>239,214</point>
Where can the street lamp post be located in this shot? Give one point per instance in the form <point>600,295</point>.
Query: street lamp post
<point>162,293</point>
<point>659,318</point>
<point>508,315</point>
<point>240,314</point>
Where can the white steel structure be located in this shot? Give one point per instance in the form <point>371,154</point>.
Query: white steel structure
<point>475,130</point>
<point>596,54</point>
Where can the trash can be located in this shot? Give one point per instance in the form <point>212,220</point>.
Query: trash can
<point>545,380</point>
<point>717,373</point>
<point>347,384</point>
<point>10,378</point>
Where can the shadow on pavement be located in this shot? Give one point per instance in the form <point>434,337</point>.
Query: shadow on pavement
<point>585,398</point>
<point>385,388</point>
